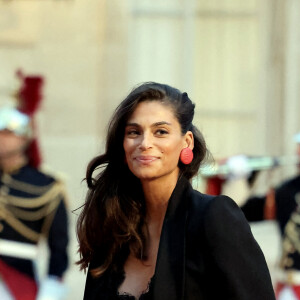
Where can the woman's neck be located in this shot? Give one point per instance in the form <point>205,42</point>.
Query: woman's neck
<point>157,193</point>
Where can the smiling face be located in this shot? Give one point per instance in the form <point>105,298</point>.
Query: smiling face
<point>153,141</point>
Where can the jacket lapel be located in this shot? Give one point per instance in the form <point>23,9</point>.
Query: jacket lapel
<point>169,279</point>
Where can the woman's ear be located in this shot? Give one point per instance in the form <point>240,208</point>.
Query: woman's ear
<point>189,140</point>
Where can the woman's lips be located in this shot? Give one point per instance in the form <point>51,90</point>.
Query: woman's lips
<point>146,159</point>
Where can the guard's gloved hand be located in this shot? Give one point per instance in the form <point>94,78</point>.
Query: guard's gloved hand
<point>238,167</point>
<point>52,288</point>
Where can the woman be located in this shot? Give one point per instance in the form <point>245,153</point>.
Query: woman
<point>144,233</point>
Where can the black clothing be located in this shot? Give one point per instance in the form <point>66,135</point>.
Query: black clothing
<point>206,252</point>
<point>254,208</point>
<point>32,205</point>
<point>288,214</point>
<point>287,199</point>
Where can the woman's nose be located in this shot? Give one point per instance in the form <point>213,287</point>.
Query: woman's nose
<point>146,142</point>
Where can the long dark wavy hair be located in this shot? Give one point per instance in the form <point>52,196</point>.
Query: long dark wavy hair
<point>113,217</point>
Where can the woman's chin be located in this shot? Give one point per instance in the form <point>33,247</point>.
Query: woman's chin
<point>145,176</point>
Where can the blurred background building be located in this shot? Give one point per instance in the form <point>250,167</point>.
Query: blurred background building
<point>239,61</point>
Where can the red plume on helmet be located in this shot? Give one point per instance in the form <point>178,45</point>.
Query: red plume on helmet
<point>29,99</point>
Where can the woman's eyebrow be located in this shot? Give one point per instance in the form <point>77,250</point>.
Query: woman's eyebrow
<point>160,123</point>
<point>152,125</point>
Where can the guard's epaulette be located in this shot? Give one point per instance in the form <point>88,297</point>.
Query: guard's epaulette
<point>291,244</point>
<point>29,196</point>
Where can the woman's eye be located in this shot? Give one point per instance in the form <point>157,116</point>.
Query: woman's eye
<point>132,132</point>
<point>161,132</point>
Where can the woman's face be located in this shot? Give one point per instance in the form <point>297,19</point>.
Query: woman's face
<point>153,141</point>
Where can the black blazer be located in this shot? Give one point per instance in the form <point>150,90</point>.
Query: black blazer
<point>206,252</point>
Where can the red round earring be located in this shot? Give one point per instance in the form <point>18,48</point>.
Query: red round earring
<point>186,156</point>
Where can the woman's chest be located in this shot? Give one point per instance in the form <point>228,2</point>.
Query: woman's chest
<point>137,276</point>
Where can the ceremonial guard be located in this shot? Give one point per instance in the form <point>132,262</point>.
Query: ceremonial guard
<point>32,206</point>
<point>283,204</point>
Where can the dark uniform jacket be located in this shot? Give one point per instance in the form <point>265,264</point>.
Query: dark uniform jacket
<point>32,206</point>
<point>206,252</point>
<point>287,200</point>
